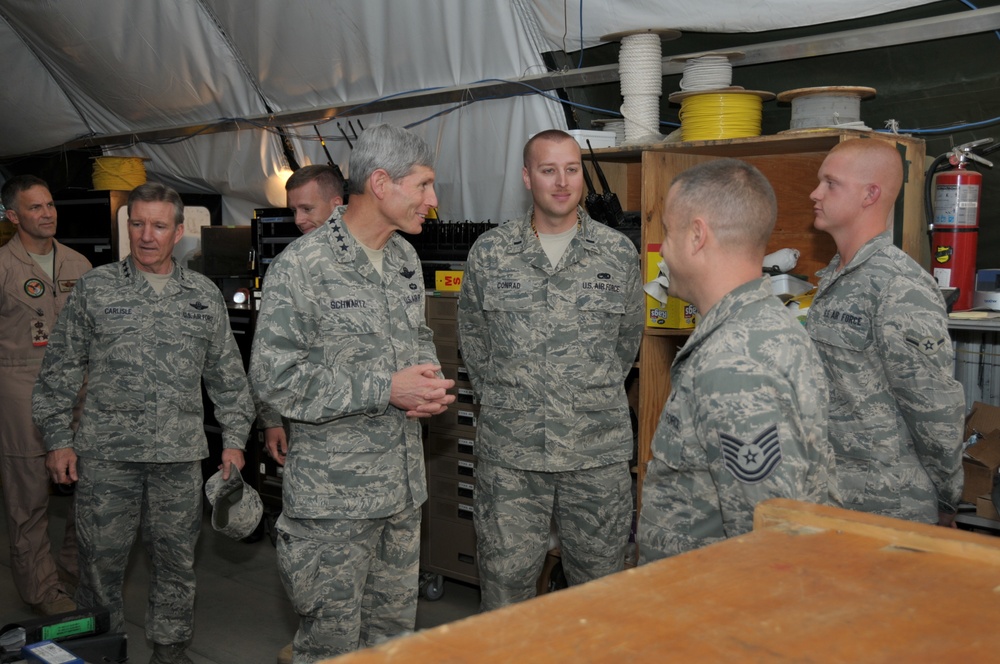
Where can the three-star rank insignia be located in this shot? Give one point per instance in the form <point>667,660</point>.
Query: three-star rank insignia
<point>927,345</point>
<point>751,462</point>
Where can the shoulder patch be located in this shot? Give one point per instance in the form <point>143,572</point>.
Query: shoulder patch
<point>752,462</point>
<point>34,287</point>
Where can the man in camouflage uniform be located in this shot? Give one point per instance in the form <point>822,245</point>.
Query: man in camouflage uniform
<point>144,332</point>
<point>550,318</point>
<point>879,323</point>
<point>343,352</point>
<point>746,417</point>
<point>37,274</point>
<point>314,192</point>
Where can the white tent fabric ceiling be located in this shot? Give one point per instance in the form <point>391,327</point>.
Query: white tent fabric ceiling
<point>80,68</point>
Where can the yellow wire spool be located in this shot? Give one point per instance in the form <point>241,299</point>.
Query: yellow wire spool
<point>718,114</point>
<point>118,173</point>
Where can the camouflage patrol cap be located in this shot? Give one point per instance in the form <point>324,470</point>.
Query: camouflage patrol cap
<point>236,506</point>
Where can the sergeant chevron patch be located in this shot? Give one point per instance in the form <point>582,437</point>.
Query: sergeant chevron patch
<point>752,462</point>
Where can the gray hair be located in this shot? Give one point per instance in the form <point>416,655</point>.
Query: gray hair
<point>733,196</point>
<point>154,192</point>
<point>393,149</point>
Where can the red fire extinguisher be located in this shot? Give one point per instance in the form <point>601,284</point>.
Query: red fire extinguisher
<point>956,224</point>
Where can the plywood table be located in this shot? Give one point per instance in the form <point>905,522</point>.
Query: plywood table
<point>809,584</point>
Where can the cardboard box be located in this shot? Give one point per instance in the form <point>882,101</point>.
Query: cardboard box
<point>986,509</point>
<point>981,460</point>
<point>676,313</point>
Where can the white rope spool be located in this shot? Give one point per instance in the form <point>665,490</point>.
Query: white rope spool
<point>640,69</point>
<point>707,71</point>
<point>826,107</point>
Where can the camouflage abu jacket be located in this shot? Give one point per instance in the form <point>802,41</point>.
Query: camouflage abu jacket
<point>330,335</point>
<point>746,420</point>
<point>896,412</point>
<point>144,356</point>
<point>548,348</point>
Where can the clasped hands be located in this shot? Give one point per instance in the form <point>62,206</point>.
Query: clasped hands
<point>420,391</point>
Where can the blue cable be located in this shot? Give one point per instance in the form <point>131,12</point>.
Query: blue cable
<point>944,130</point>
<point>972,6</point>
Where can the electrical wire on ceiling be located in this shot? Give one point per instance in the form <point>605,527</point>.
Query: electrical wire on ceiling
<point>579,64</point>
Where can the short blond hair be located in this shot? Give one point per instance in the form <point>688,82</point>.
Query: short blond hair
<point>875,161</point>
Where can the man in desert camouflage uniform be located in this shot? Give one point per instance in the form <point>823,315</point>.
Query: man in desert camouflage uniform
<point>343,352</point>
<point>550,318</point>
<point>879,324</point>
<point>746,417</point>
<point>144,332</point>
<point>37,274</point>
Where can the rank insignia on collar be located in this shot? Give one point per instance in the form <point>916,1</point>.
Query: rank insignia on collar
<point>927,345</point>
<point>199,306</point>
<point>752,462</point>
<point>407,272</point>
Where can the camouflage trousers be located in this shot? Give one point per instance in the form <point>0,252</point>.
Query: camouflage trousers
<point>353,582</point>
<point>113,498</point>
<point>513,514</point>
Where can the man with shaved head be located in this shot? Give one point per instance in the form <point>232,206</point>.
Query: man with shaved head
<point>746,417</point>
<point>879,323</point>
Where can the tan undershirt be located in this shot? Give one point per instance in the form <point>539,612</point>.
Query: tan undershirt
<point>157,281</point>
<point>555,245</point>
<point>45,261</point>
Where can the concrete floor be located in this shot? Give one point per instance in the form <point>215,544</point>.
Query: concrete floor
<point>241,612</point>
